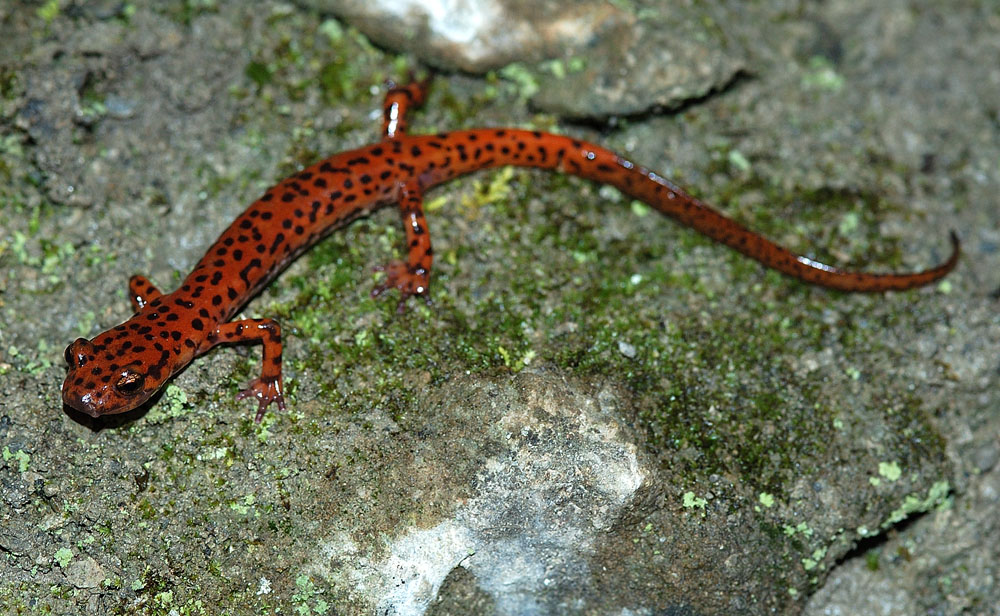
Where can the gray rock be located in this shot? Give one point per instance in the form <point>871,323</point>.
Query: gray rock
<point>476,36</point>
<point>585,59</point>
<point>85,573</point>
<point>561,471</point>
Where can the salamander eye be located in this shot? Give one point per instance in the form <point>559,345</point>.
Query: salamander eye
<point>130,382</point>
<point>76,352</point>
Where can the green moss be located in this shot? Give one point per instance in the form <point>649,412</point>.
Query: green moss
<point>186,11</point>
<point>259,73</point>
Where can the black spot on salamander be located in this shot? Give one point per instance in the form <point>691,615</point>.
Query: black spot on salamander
<point>385,175</point>
<point>231,293</point>
<point>360,160</point>
<point>348,183</point>
<point>216,279</point>
<point>365,178</point>
<point>278,239</point>
<point>376,151</point>
<point>266,215</point>
<point>197,325</point>
<point>228,241</point>
<point>201,278</point>
<point>245,272</point>
<point>319,183</point>
<point>287,198</point>
<point>415,151</point>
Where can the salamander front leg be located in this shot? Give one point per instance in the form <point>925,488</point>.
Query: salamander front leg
<point>412,277</point>
<point>141,291</point>
<point>267,387</point>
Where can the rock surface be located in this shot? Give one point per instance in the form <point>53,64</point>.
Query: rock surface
<point>600,413</point>
<point>578,58</point>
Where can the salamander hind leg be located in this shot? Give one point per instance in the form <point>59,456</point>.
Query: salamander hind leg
<point>397,101</point>
<point>267,387</point>
<point>413,276</point>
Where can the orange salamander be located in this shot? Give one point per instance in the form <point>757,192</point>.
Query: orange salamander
<point>121,368</point>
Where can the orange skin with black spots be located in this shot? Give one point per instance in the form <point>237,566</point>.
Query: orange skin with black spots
<point>121,368</point>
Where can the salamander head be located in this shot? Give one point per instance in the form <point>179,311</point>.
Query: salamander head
<point>118,370</point>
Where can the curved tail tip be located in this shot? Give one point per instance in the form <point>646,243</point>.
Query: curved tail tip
<point>956,247</point>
